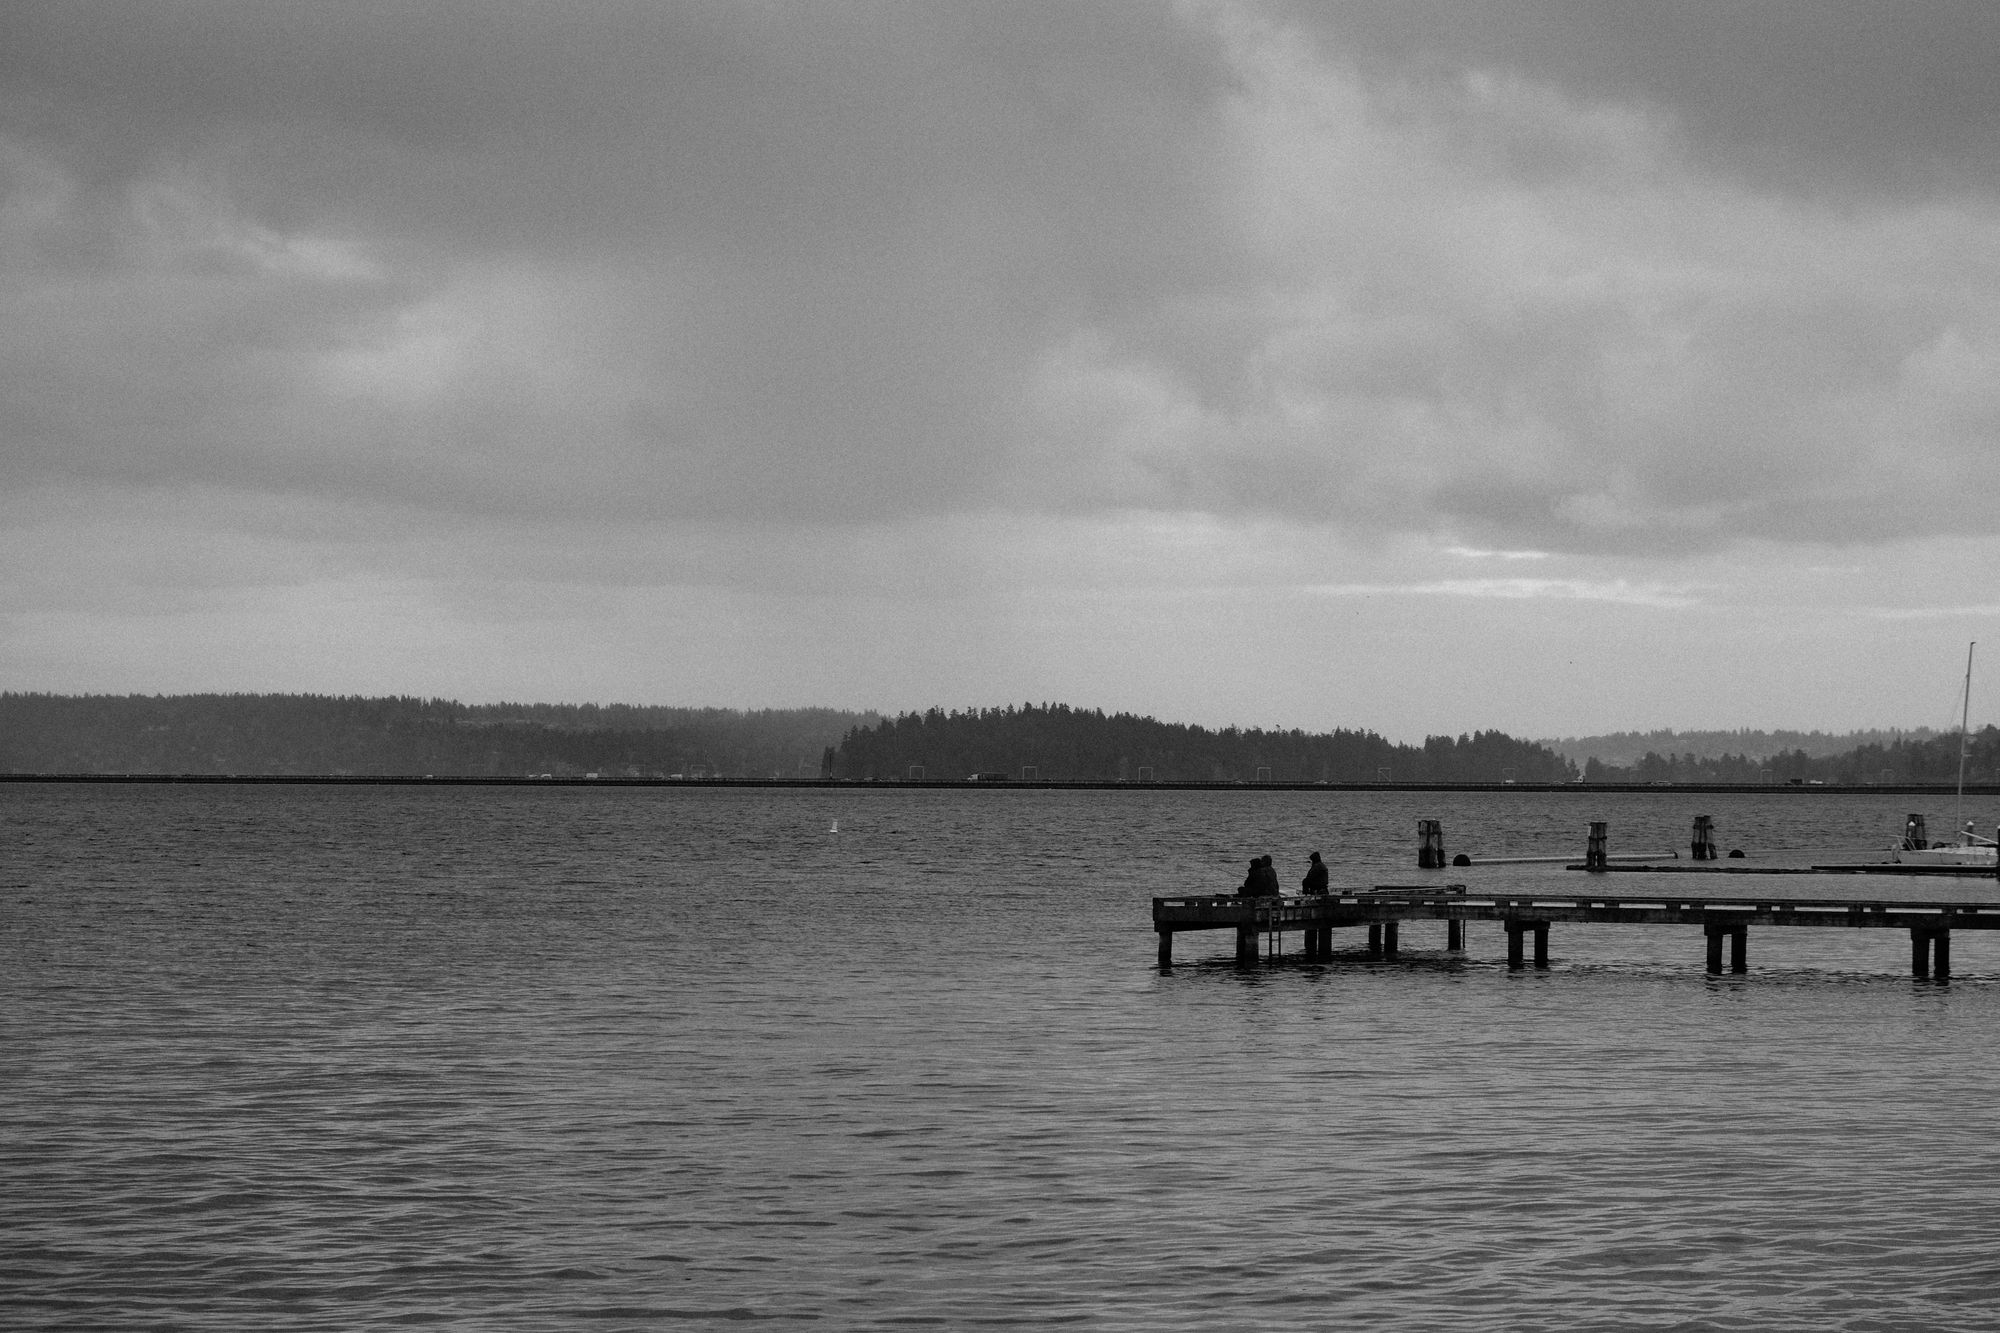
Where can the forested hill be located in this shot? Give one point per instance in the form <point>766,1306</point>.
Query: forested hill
<point>1063,743</point>
<point>320,734</point>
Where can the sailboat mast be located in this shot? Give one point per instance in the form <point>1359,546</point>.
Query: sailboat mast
<point>1964,718</point>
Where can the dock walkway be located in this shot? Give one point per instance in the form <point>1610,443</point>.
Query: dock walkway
<point>1380,910</point>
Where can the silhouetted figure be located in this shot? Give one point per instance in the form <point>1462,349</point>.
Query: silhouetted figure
<point>1314,884</point>
<point>1262,881</point>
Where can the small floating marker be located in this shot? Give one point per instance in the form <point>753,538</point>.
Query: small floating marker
<point>835,828</point>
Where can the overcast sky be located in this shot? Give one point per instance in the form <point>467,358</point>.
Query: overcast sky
<point>1556,367</point>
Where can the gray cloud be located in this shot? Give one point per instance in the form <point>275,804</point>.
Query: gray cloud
<point>1609,277</point>
<point>1817,94</point>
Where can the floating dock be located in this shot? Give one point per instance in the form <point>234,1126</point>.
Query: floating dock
<point>1381,910</point>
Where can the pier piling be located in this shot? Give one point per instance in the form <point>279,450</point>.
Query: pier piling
<point>1517,947</point>
<point>1739,945</point>
<point>1930,953</point>
<point>1454,936</point>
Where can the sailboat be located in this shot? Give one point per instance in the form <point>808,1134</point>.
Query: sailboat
<point>1970,852</point>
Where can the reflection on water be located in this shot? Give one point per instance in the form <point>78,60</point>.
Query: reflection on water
<point>517,1059</point>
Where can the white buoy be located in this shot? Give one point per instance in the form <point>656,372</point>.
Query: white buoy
<point>835,828</point>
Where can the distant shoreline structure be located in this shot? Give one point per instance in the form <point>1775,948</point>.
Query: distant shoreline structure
<point>967,784</point>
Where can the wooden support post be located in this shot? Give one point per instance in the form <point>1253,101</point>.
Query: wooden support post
<point>1941,955</point>
<point>1389,940</point>
<point>1430,845</point>
<point>1326,941</point>
<point>1915,836</point>
<point>1594,853</point>
<point>1514,929</point>
<point>1541,944</point>
<point>1166,948</point>
<point>1701,845</point>
<point>1454,936</point>
<point>1246,944</point>
<point>1920,952</point>
<point>1715,932</point>
<point>1375,940</point>
<point>1739,949</point>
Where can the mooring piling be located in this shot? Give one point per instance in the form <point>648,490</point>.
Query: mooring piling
<point>1701,846</point>
<point>1594,851</point>
<point>1430,845</point>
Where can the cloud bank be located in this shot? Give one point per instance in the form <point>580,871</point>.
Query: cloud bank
<point>789,264</point>
<point>462,307</point>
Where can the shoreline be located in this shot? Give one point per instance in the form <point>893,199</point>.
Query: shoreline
<point>946,784</point>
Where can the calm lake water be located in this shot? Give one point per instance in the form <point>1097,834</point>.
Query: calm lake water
<point>288,1058</point>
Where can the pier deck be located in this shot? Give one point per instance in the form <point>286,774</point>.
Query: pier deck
<point>1382,909</point>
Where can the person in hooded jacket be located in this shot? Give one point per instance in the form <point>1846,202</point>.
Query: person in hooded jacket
<point>1314,884</point>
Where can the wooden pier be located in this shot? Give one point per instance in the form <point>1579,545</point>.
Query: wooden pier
<point>1265,921</point>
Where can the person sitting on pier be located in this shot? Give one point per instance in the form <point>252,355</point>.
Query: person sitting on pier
<point>1314,884</point>
<point>1262,881</point>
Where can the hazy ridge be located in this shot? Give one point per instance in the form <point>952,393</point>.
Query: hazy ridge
<point>1625,748</point>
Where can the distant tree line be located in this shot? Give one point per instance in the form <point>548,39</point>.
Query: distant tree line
<point>1064,743</point>
<point>1926,758</point>
<point>1624,749</point>
<point>303,734</point>
<point>324,734</point>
